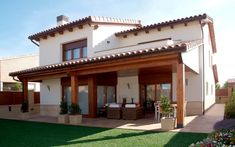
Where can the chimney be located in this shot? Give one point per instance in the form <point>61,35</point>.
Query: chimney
<point>62,19</point>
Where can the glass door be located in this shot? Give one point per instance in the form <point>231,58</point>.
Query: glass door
<point>83,99</point>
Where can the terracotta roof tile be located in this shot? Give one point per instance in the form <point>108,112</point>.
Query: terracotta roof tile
<point>85,20</point>
<point>185,44</point>
<point>166,23</point>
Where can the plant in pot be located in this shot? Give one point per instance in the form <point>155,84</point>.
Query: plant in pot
<point>167,122</point>
<point>75,116</point>
<point>63,117</point>
<point>25,110</point>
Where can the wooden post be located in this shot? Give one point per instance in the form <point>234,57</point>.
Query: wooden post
<point>180,71</point>
<point>74,89</point>
<point>92,96</point>
<point>25,89</point>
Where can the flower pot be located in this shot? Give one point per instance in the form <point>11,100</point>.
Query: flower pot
<point>75,119</point>
<point>63,118</point>
<point>24,115</point>
<point>168,123</point>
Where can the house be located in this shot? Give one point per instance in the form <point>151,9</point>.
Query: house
<point>97,60</point>
<point>10,64</point>
<point>225,93</point>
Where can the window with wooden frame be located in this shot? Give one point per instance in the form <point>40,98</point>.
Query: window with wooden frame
<point>75,50</point>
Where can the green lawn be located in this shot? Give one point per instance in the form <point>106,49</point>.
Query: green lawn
<point>31,134</point>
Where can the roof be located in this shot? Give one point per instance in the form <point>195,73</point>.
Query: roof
<point>86,20</point>
<point>185,20</point>
<point>166,23</point>
<point>182,46</point>
<point>232,80</point>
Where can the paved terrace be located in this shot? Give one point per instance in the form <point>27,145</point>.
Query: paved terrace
<point>204,123</point>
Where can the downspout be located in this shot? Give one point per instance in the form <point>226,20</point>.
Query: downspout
<point>203,73</point>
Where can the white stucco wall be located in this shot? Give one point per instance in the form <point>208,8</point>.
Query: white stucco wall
<point>179,32</point>
<point>104,37</point>
<point>209,77</point>
<point>51,48</point>
<point>123,91</point>
<point>50,93</point>
<point>191,59</point>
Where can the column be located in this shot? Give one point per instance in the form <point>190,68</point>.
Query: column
<point>92,96</point>
<point>180,93</point>
<point>25,89</point>
<point>74,89</point>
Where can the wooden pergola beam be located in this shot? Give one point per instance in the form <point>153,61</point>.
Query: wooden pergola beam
<point>92,96</point>
<point>74,89</point>
<point>180,93</point>
<point>25,89</point>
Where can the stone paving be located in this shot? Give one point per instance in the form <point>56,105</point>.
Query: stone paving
<point>204,123</point>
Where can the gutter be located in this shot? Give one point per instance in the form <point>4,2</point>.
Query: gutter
<point>34,42</point>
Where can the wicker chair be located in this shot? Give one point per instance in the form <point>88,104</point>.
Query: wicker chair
<point>132,113</point>
<point>114,113</point>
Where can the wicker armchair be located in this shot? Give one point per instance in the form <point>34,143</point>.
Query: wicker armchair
<point>114,113</point>
<point>132,113</point>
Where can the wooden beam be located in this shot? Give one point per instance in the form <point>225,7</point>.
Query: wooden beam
<point>25,89</point>
<point>180,93</point>
<point>74,89</point>
<point>92,96</point>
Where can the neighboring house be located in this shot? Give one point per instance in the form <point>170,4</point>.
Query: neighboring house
<point>10,64</point>
<point>224,94</point>
<point>98,60</point>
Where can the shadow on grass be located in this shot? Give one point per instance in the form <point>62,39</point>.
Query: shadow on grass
<point>27,134</point>
<point>185,139</point>
<point>24,133</point>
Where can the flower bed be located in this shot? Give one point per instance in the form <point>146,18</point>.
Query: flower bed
<point>218,138</point>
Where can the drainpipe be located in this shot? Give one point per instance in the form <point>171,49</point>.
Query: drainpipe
<point>203,68</point>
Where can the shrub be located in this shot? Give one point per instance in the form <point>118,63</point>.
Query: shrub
<point>224,137</point>
<point>63,107</point>
<point>165,105</point>
<point>25,106</point>
<point>230,107</point>
<point>74,109</point>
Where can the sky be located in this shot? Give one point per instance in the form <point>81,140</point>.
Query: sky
<point>21,18</point>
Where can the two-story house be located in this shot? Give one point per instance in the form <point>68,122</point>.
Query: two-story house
<point>98,60</point>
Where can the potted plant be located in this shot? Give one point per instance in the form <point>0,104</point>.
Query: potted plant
<point>75,116</point>
<point>25,110</point>
<point>63,116</point>
<point>167,121</point>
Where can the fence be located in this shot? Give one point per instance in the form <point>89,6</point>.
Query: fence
<point>222,95</point>
<point>14,98</point>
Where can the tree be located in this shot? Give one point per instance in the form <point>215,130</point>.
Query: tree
<point>17,87</point>
<point>225,84</point>
<point>217,86</point>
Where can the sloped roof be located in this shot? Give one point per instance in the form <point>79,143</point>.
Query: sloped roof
<point>166,23</point>
<point>182,46</point>
<point>86,20</point>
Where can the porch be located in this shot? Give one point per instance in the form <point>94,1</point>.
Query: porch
<point>129,73</point>
<point>192,123</point>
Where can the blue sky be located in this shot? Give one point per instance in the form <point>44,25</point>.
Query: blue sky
<point>21,18</point>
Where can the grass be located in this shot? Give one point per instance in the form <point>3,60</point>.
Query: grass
<point>33,134</point>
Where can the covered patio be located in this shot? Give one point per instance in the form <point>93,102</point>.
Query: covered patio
<point>154,64</point>
<point>192,123</point>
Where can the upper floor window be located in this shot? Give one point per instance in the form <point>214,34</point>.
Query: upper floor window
<point>75,50</point>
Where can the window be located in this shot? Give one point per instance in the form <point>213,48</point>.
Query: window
<point>75,50</point>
